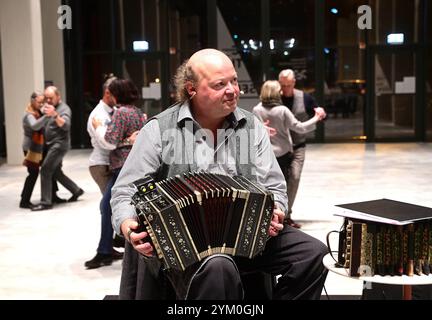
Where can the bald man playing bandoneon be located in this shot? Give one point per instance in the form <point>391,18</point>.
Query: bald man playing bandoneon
<point>207,97</point>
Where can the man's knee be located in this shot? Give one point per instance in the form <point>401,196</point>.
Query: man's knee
<point>317,249</point>
<point>218,278</point>
<point>321,249</point>
<point>317,252</point>
<point>221,264</point>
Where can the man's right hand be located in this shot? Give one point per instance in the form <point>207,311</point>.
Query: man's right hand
<point>49,110</point>
<point>320,113</point>
<point>129,230</point>
<point>276,224</point>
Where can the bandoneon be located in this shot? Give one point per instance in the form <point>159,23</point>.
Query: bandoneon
<point>196,215</point>
<point>371,248</point>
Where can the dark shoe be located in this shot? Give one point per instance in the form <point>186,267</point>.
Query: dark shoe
<point>58,200</point>
<point>40,207</point>
<point>292,223</point>
<point>116,255</point>
<point>26,205</point>
<point>99,260</point>
<point>74,198</point>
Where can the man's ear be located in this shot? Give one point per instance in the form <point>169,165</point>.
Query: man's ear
<point>190,89</point>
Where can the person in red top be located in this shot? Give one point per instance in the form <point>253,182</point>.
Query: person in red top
<point>33,123</point>
<point>126,120</point>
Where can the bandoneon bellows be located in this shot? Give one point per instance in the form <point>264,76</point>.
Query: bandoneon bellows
<point>196,215</point>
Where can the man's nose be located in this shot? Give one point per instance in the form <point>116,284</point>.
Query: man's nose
<point>230,88</point>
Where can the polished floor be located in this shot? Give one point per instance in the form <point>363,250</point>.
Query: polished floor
<point>42,254</point>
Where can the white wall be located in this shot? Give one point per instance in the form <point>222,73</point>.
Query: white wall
<point>32,52</point>
<point>53,45</point>
<point>23,66</point>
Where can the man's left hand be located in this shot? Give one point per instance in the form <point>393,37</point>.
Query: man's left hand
<point>276,224</point>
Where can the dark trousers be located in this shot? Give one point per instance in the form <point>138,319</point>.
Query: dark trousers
<point>52,169</point>
<point>294,255</point>
<point>29,184</point>
<point>138,282</point>
<point>293,176</point>
<point>106,239</point>
<point>291,165</point>
<point>285,161</point>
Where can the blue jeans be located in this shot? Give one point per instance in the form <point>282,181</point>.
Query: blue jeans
<point>105,242</point>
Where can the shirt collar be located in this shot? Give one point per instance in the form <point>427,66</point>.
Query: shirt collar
<point>106,107</point>
<point>232,119</point>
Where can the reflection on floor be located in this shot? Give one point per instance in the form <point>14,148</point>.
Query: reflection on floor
<point>338,127</point>
<point>42,254</point>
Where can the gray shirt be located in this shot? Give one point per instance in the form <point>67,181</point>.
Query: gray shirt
<point>59,135</point>
<point>145,158</point>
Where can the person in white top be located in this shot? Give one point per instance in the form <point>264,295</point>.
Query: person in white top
<point>99,158</point>
<point>274,114</point>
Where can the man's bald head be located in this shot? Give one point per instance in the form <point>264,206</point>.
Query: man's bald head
<point>52,95</point>
<point>213,91</point>
<point>196,67</point>
<point>53,89</point>
<point>201,61</point>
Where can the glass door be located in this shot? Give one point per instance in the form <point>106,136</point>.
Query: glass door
<point>344,93</point>
<point>392,95</point>
<point>429,96</point>
<point>149,73</point>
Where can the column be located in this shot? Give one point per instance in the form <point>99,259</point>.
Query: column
<point>53,52</point>
<point>23,66</point>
